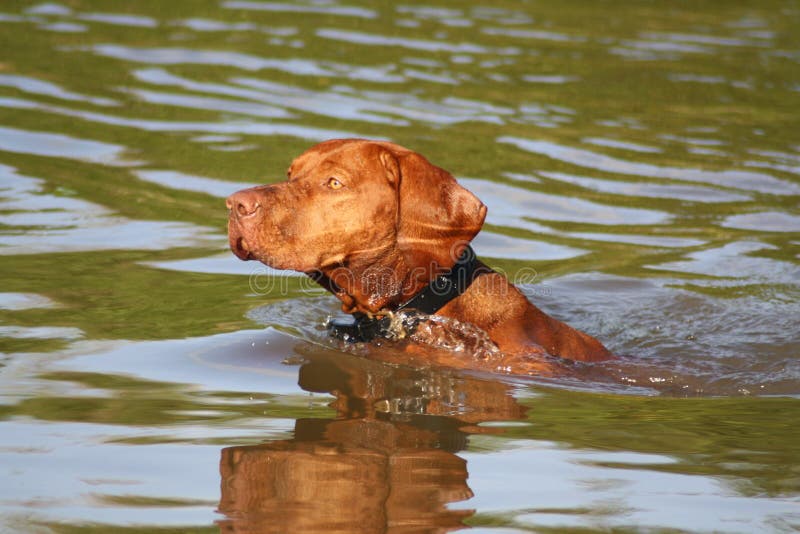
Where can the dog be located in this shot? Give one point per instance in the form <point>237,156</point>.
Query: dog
<point>385,230</point>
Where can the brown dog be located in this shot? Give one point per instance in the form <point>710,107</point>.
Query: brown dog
<point>376,223</point>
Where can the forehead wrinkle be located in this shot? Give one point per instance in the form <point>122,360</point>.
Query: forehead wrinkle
<point>306,163</point>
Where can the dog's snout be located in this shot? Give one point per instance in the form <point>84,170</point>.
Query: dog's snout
<point>243,203</point>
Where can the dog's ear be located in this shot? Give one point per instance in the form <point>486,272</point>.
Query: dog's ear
<point>436,217</point>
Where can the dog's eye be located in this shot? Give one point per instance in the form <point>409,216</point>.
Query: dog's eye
<point>334,183</point>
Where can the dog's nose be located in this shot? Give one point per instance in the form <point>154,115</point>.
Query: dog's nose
<point>243,203</point>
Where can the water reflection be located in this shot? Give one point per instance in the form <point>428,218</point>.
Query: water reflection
<point>386,461</point>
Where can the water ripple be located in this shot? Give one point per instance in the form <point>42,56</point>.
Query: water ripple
<point>699,38</point>
<point>178,56</point>
<point>633,239</point>
<point>764,221</point>
<point>31,85</point>
<point>362,38</point>
<point>40,332</point>
<point>524,33</point>
<point>622,145</point>
<point>692,193</point>
<point>342,102</point>
<point>64,27</point>
<point>120,19</point>
<point>211,25</point>
<point>25,301</point>
<point>225,263</point>
<point>54,223</point>
<point>734,261</point>
<point>310,8</point>
<point>319,102</point>
<point>59,146</point>
<point>492,245</point>
<point>49,8</point>
<point>549,78</point>
<point>210,103</point>
<point>188,182</point>
<point>245,128</point>
<point>512,206</point>
<point>441,15</point>
<point>752,181</point>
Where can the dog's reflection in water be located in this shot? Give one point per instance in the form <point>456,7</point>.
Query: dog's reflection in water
<point>386,463</point>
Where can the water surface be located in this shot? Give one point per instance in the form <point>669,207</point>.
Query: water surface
<point>641,165</point>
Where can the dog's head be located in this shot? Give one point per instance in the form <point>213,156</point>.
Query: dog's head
<point>349,202</point>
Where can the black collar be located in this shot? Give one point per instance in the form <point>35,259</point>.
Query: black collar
<point>432,298</point>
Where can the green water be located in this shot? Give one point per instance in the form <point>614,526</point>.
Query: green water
<point>641,165</point>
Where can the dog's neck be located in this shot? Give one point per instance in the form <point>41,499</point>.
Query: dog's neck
<point>403,319</point>
<point>384,281</point>
<point>365,282</point>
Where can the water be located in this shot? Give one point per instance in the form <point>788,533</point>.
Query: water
<point>641,167</point>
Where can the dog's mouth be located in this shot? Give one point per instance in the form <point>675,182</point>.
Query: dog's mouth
<point>239,248</point>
